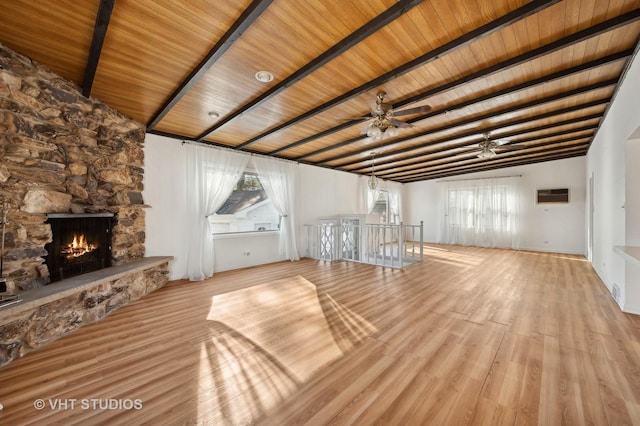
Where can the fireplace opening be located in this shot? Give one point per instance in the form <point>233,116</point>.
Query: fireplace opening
<point>81,244</point>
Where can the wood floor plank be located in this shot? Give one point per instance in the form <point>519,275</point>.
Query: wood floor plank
<point>468,336</point>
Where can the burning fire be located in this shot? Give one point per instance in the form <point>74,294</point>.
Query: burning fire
<point>78,247</point>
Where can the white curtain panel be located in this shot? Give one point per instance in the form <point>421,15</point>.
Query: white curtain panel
<point>211,176</point>
<point>483,212</point>
<point>362,205</point>
<point>368,196</point>
<point>279,178</point>
<point>395,200</point>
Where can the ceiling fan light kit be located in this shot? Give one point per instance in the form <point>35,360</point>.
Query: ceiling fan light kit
<point>488,147</point>
<point>486,154</point>
<point>384,124</point>
<point>379,131</point>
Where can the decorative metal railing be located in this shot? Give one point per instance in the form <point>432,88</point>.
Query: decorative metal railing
<point>378,244</point>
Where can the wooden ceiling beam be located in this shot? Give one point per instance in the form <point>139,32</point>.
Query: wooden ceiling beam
<point>508,124</point>
<point>482,31</point>
<point>418,164</point>
<point>513,123</point>
<point>578,153</point>
<point>493,164</point>
<point>471,154</point>
<point>471,164</point>
<point>245,20</point>
<point>506,110</point>
<point>380,166</point>
<point>99,33</point>
<point>587,33</point>
<point>393,164</point>
<point>509,90</point>
<point>380,21</point>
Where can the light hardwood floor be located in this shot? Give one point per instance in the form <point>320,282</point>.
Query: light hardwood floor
<point>469,336</point>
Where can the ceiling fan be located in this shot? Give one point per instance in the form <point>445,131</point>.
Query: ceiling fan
<point>488,147</point>
<point>383,122</point>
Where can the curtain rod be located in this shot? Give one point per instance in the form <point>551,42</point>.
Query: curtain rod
<point>224,148</point>
<point>481,178</point>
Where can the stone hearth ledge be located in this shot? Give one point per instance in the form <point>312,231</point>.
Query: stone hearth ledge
<point>47,313</point>
<point>67,287</point>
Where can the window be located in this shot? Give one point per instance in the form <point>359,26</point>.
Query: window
<point>482,213</point>
<point>248,209</point>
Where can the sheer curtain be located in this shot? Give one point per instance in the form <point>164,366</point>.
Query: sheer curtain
<point>395,201</point>
<point>211,175</point>
<point>278,178</point>
<point>368,196</point>
<point>483,212</point>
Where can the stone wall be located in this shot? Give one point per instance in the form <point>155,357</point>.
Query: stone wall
<point>34,323</point>
<point>63,153</point>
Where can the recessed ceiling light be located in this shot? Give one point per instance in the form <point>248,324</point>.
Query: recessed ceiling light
<point>213,114</point>
<point>264,76</point>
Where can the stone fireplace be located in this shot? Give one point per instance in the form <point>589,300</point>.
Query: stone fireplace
<point>63,153</point>
<point>65,156</point>
<point>80,243</point>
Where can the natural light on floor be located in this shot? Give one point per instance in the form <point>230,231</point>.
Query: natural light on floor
<point>245,370</point>
<point>440,254</point>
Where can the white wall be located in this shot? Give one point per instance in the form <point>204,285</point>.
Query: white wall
<point>245,250</point>
<point>544,227</point>
<point>324,192</point>
<point>423,202</point>
<point>165,178</point>
<point>606,163</point>
<point>321,192</point>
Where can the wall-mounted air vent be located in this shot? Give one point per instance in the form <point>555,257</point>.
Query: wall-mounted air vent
<point>560,195</point>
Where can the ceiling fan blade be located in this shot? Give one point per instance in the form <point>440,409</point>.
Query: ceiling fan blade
<point>501,141</point>
<point>401,124</point>
<point>357,118</point>
<point>424,108</point>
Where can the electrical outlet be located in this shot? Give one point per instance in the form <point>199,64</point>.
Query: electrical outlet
<point>546,242</point>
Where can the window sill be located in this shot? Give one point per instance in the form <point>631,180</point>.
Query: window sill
<point>243,234</point>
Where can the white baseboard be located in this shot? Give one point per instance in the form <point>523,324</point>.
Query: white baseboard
<point>550,250</point>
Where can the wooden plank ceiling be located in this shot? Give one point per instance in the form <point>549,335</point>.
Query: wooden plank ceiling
<point>532,79</point>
